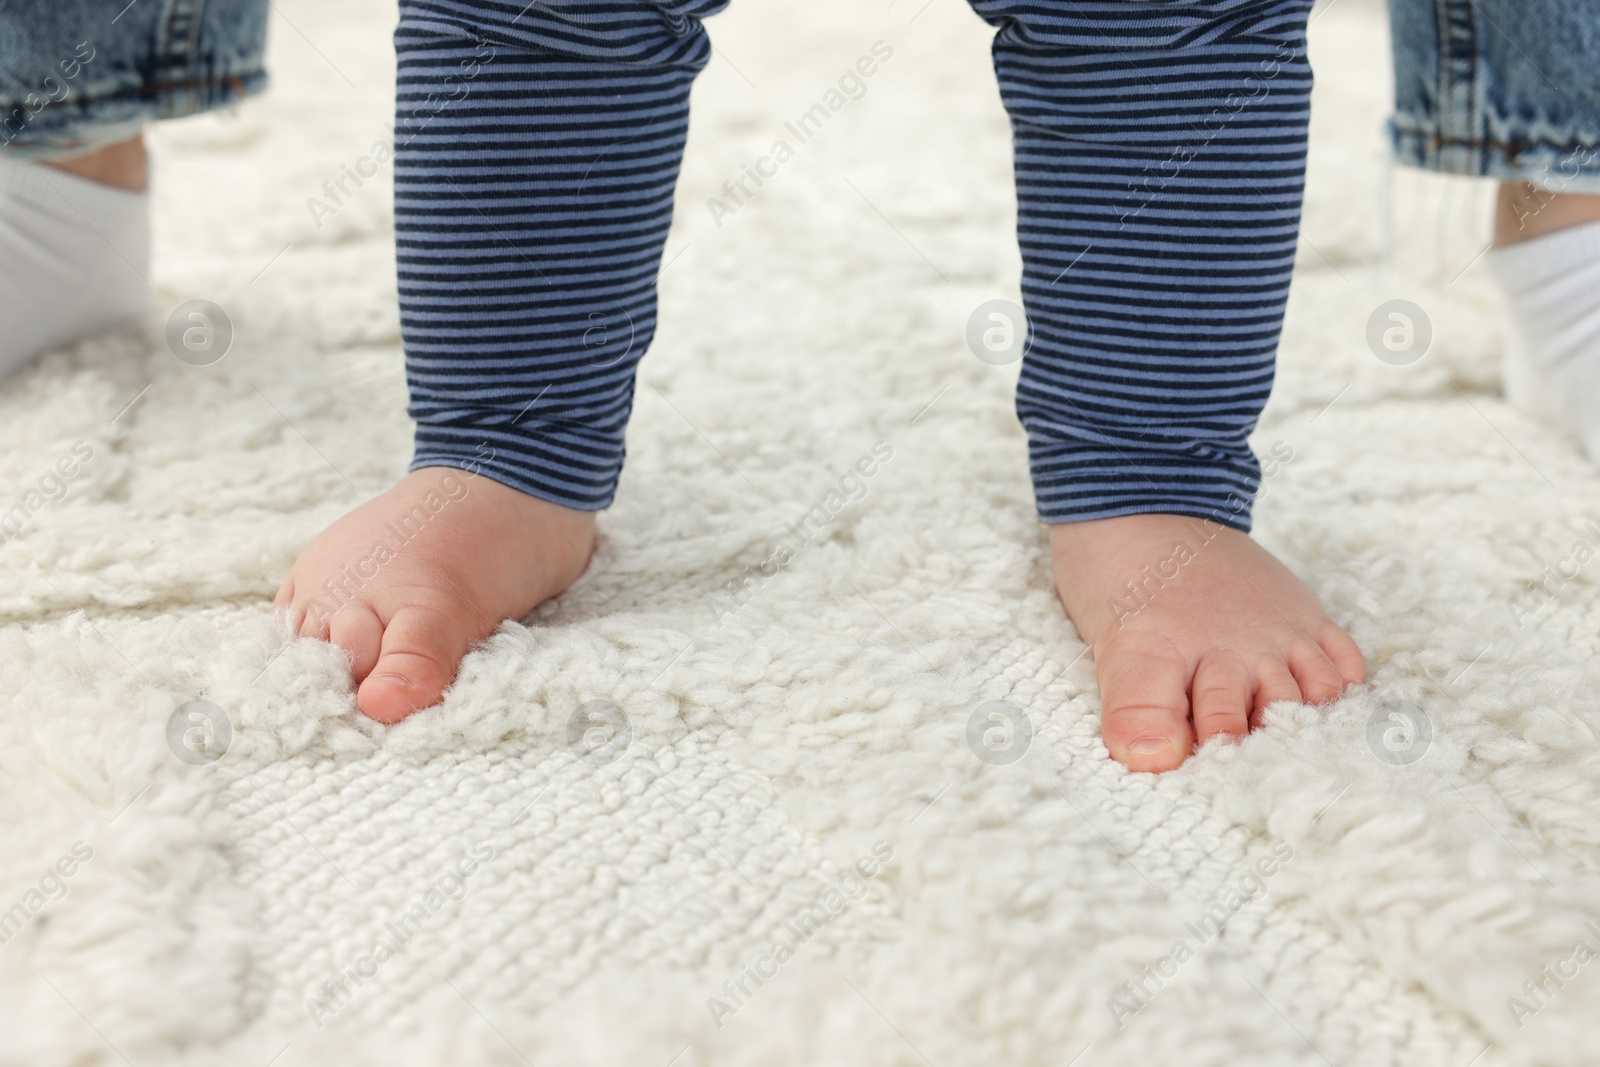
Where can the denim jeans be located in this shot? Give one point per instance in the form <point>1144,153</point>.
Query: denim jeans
<point>1498,88</point>
<point>78,74</point>
<point>1504,89</point>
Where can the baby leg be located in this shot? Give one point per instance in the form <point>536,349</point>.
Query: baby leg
<point>535,160</point>
<point>1160,160</point>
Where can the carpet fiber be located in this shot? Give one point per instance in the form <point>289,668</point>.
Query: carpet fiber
<point>787,849</point>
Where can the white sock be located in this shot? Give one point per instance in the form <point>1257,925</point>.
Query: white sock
<point>74,258</point>
<point>1552,364</point>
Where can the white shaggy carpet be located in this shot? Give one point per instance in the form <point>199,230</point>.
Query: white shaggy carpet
<point>556,911</point>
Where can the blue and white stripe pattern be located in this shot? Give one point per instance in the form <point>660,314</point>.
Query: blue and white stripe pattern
<point>1160,159</point>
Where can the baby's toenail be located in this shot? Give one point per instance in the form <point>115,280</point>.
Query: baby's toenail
<point>400,680</point>
<point>1146,746</point>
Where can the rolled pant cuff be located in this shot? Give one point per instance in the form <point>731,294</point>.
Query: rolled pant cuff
<point>1553,164</point>
<point>563,467</point>
<point>1074,482</point>
<point>82,125</point>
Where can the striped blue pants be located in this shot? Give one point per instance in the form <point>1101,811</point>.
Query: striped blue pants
<point>1160,160</point>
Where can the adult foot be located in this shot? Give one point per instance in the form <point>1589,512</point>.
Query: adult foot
<point>409,581</point>
<point>1195,630</point>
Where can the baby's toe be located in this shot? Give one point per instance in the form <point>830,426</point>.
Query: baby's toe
<point>1144,707</point>
<point>1221,696</point>
<point>357,629</point>
<point>1314,672</point>
<point>1344,652</point>
<point>1275,682</point>
<point>417,660</point>
<point>310,619</point>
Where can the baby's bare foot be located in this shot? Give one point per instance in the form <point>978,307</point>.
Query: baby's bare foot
<point>409,581</point>
<point>1195,629</point>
